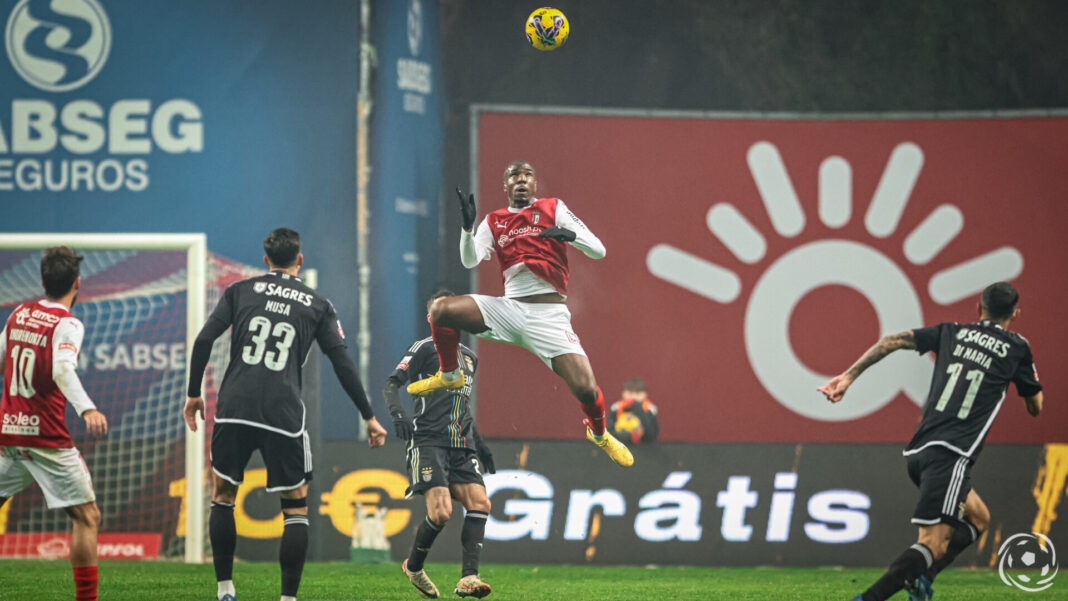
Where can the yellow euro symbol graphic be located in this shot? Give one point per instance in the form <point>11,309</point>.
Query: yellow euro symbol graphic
<point>364,486</point>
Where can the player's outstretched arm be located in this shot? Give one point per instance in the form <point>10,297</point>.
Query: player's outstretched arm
<point>835,389</point>
<point>346,374</point>
<point>1034,403</point>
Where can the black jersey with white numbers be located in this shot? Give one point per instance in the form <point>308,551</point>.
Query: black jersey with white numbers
<point>441,418</point>
<point>274,319</point>
<point>974,364</point>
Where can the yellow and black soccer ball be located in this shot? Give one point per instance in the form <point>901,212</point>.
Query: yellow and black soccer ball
<point>547,28</point>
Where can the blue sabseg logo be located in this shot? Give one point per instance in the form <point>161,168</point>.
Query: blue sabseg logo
<point>59,46</point>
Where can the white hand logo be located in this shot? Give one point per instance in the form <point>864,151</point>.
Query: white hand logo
<point>825,262</point>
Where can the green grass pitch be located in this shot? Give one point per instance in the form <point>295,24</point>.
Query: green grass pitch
<point>132,581</point>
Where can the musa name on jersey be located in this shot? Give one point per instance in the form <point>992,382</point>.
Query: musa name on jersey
<point>441,418</point>
<point>275,318</point>
<point>974,365</point>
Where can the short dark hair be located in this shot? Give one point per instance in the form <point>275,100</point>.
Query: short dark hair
<point>634,385</point>
<point>282,247</point>
<point>59,269</point>
<point>513,165</point>
<point>439,294</point>
<point>999,300</point>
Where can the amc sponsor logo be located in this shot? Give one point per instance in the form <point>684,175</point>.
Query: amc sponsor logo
<point>58,46</point>
<point>56,545</point>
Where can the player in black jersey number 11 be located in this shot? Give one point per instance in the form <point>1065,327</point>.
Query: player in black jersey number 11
<point>974,365</point>
<point>274,319</point>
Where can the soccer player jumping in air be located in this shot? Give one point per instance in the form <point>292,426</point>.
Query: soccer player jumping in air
<point>275,318</point>
<point>38,355</point>
<point>974,364</point>
<point>530,238</point>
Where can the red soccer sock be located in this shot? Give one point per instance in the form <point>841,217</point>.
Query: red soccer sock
<point>447,342</point>
<point>85,579</point>
<point>595,413</point>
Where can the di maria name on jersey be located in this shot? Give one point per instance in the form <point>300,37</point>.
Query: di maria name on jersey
<point>973,368</point>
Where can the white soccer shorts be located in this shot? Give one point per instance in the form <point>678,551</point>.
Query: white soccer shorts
<point>61,474</point>
<point>542,328</point>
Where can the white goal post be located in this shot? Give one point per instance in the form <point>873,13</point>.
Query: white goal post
<point>195,246</point>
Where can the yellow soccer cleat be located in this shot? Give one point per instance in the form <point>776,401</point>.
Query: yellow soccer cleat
<point>615,449</point>
<point>472,586</point>
<point>435,382</point>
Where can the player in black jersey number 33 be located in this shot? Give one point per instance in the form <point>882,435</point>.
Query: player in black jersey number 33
<point>974,364</point>
<point>274,320</point>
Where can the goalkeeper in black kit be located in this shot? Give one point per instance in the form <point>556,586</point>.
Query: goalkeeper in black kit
<point>445,459</point>
<point>275,318</point>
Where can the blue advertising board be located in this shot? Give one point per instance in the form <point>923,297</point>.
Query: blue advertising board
<point>230,118</point>
<point>406,147</point>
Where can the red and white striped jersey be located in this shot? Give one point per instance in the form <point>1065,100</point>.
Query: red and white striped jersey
<point>529,264</point>
<point>39,352</point>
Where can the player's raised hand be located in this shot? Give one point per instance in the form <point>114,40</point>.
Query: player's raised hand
<point>467,209</point>
<point>836,388</point>
<point>95,423</point>
<point>558,233</point>
<point>376,434</point>
<point>193,406</point>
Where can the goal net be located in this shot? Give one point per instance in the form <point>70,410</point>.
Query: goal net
<point>139,325</point>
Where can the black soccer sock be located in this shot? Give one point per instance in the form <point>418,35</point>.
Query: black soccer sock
<point>962,537</point>
<point>223,536</point>
<point>424,538</point>
<point>292,552</point>
<point>471,538</point>
<point>907,567</point>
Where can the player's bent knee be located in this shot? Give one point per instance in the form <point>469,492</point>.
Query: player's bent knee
<point>440,515</point>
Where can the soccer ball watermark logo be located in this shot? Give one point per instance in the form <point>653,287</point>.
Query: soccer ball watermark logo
<point>1028,561</point>
<point>58,45</point>
<point>833,261</point>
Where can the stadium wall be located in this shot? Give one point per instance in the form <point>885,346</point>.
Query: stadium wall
<point>682,503</point>
<point>759,255</point>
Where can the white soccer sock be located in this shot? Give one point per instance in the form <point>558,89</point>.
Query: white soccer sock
<point>226,587</point>
<point>288,598</point>
<point>452,376</point>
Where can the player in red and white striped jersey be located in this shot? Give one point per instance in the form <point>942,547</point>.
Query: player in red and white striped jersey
<point>530,238</point>
<point>38,355</point>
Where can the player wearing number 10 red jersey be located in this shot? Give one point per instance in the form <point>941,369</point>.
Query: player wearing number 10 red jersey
<point>974,365</point>
<point>38,355</point>
<point>275,318</point>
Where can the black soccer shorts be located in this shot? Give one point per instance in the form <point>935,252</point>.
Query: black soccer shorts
<point>944,479</point>
<point>429,467</point>
<point>288,458</point>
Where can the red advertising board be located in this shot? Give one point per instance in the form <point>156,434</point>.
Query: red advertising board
<point>749,260</point>
<point>56,545</point>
